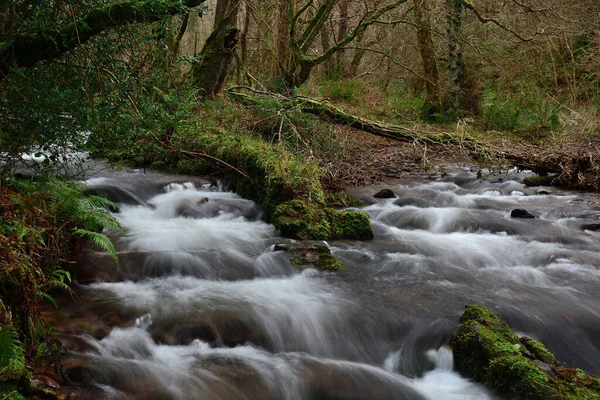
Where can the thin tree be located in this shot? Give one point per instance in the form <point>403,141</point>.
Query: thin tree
<point>427,51</point>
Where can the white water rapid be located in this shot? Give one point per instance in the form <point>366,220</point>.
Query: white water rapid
<point>201,307</point>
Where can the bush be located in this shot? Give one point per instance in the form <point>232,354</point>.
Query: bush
<point>526,111</point>
<point>343,89</point>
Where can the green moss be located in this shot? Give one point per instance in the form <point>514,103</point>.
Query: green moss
<point>487,350</point>
<point>342,200</point>
<point>321,261</point>
<point>350,225</point>
<point>538,180</point>
<point>304,220</point>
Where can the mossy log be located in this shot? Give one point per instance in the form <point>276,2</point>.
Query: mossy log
<point>488,351</point>
<point>327,111</point>
<point>27,51</point>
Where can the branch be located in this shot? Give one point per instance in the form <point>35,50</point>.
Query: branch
<point>27,51</point>
<point>362,26</point>
<point>394,61</point>
<point>484,20</point>
<point>315,25</point>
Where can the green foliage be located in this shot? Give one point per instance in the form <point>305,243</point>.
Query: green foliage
<point>38,227</point>
<point>12,354</point>
<point>87,214</point>
<point>12,363</point>
<point>339,89</point>
<point>526,111</point>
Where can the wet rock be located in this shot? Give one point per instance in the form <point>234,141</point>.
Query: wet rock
<point>413,201</point>
<point>521,213</point>
<point>591,227</point>
<point>543,191</point>
<point>310,253</point>
<point>300,219</point>
<point>540,180</point>
<point>385,194</point>
<point>487,350</point>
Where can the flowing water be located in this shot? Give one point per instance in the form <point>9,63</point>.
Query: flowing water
<point>200,306</point>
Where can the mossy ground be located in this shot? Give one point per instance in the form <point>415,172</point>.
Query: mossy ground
<point>488,351</point>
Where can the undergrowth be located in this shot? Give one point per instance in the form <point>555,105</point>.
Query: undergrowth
<point>40,227</point>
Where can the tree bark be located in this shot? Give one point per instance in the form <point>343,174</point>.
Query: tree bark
<point>427,51</point>
<point>27,51</point>
<point>455,62</point>
<point>244,35</point>
<point>210,72</point>
<point>329,65</point>
<point>283,54</point>
<point>343,27</point>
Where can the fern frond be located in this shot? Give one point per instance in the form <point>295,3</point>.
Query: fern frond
<point>12,354</point>
<point>100,240</point>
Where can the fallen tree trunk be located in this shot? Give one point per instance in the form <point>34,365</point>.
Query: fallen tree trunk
<point>27,51</point>
<point>325,110</point>
<point>580,170</point>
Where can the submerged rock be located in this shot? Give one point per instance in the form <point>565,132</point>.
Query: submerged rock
<point>413,201</point>
<point>311,253</point>
<point>538,180</point>
<point>591,227</point>
<point>521,213</point>
<point>487,350</point>
<point>385,194</point>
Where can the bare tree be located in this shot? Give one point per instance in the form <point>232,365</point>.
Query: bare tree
<point>302,36</point>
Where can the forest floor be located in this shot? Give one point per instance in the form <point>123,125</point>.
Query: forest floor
<point>369,159</point>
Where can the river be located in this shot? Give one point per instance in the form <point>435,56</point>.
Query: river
<point>200,306</point>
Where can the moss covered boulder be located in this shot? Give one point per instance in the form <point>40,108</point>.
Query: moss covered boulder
<point>311,253</point>
<point>488,351</point>
<point>306,220</point>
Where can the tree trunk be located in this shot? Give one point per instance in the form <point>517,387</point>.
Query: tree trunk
<point>455,61</point>
<point>210,72</point>
<point>329,64</point>
<point>282,42</point>
<point>244,36</point>
<point>27,51</point>
<point>357,57</point>
<point>427,53</point>
<point>342,65</point>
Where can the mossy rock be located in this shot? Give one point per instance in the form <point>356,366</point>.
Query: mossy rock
<point>350,225</point>
<point>487,350</point>
<point>540,180</point>
<point>343,200</point>
<point>298,219</point>
<point>311,253</point>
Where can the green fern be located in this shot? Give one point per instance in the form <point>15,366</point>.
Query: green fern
<point>12,355</point>
<point>100,240</point>
<point>87,213</point>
